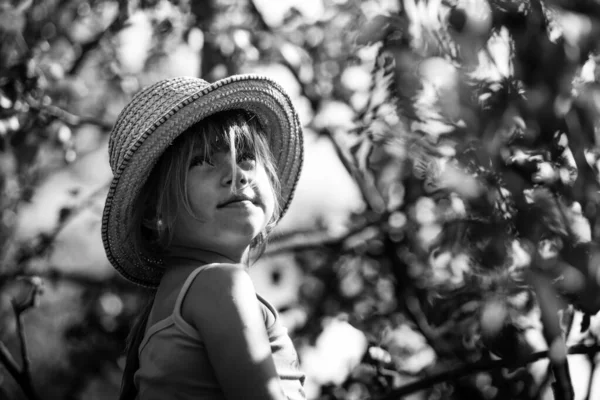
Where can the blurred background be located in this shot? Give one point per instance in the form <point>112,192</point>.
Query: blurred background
<point>442,241</point>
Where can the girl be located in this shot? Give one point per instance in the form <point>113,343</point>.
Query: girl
<point>202,173</point>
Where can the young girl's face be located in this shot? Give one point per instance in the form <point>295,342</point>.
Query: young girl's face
<point>215,188</point>
<point>232,202</point>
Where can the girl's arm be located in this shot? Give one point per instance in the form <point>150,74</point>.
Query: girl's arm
<point>222,305</point>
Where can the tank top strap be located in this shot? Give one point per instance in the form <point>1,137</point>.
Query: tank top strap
<point>177,317</point>
<point>188,282</point>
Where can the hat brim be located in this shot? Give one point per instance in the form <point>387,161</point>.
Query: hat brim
<point>255,94</point>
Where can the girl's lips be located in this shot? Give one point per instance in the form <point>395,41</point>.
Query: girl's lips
<point>236,200</point>
<point>239,203</point>
<point>243,206</point>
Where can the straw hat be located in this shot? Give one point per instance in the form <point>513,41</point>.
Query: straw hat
<point>161,112</point>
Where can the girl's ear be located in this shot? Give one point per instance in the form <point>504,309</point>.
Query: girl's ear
<point>155,227</point>
<point>152,224</point>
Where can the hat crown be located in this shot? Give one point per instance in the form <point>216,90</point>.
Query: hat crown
<point>145,109</point>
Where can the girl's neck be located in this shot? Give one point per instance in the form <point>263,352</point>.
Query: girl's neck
<point>184,255</point>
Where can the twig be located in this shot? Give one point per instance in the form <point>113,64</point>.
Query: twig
<point>54,274</point>
<point>116,25</point>
<point>370,194</point>
<point>72,119</point>
<point>49,238</point>
<point>10,363</point>
<point>82,205</point>
<point>412,307</point>
<point>25,368</point>
<point>547,299</point>
<point>262,25</point>
<point>562,386</point>
<point>314,100</point>
<point>21,376</point>
<point>65,116</point>
<point>537,393</point>
<point>299,241</point>
<point>593,365</point>
<point>480,366</point>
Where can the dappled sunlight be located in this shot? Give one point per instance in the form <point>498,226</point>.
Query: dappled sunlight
<point>442,239</point>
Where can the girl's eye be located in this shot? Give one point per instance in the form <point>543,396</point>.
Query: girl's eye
<point>246,157</point>
<point>200,160</point>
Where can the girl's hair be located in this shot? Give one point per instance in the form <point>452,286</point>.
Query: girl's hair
<point>236,131</point>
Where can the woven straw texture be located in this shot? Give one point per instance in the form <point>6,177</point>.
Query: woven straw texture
<point>161,112</point>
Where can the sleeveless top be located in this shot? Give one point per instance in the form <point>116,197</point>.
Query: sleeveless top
<point>174,363</point>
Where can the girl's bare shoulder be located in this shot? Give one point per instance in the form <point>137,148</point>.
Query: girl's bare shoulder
<point>222,293</point>
<point>220,282</point>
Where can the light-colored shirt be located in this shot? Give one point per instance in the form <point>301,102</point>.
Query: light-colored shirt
<point>174,363</point>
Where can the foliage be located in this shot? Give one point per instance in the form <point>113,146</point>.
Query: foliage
<point>476,158</point>
<point>474,148</point>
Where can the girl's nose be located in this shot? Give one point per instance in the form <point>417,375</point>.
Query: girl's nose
<point>242,177</point>
<point>242,172</point>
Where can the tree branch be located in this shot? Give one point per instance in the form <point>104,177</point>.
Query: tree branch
<point>49,238</point>
<point>549,306</point>
<point>54,274</point>
<point>412,307</point>
<point>298,241</point>
<point>72,119</point>
<point>480,366</point>
<point>116,25</point>
<point>26,382</point>
<point>10,363</point>
<point>21,376</point>
<point>369,192</point>
<point>593,365</point>
<point>537,393</point>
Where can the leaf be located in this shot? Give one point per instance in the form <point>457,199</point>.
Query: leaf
<point>378,121</point>
<point>381,91</point>
<point>375,30</point>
